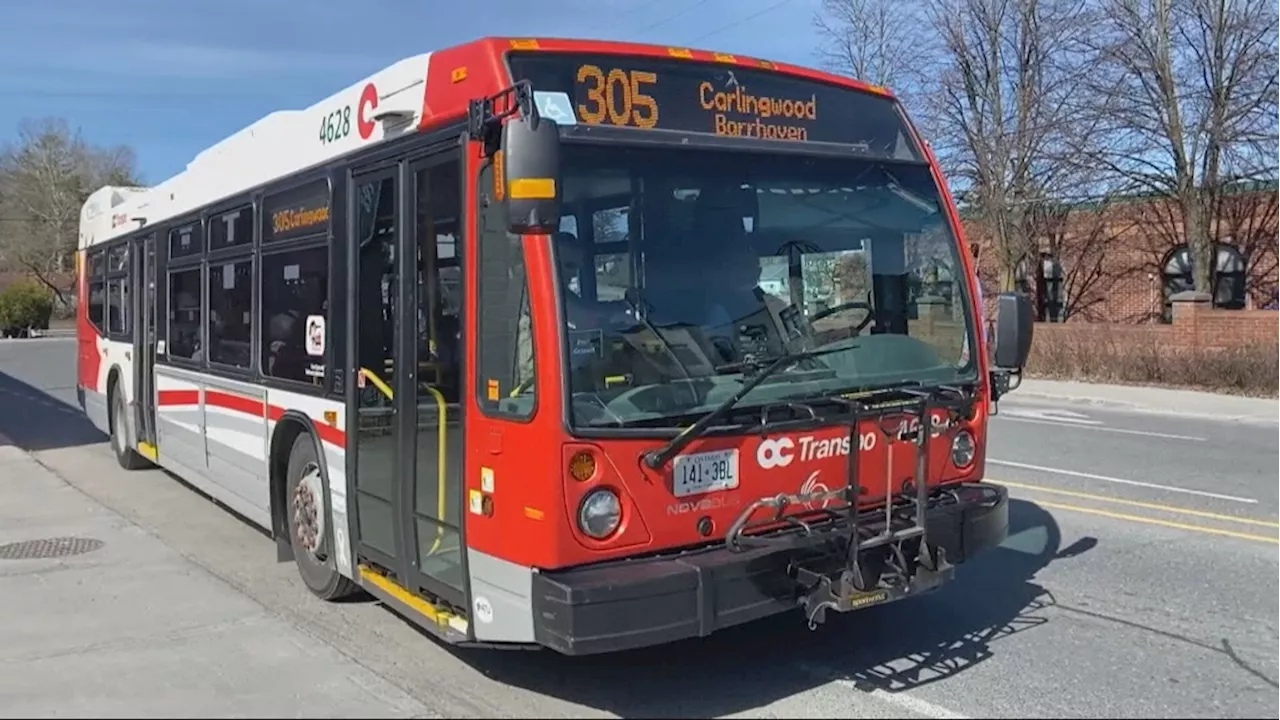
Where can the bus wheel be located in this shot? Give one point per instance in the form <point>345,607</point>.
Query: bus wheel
<point>308,527</point>
<point>128,458</point>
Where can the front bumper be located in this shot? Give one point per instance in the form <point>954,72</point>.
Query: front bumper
<point>638,603</point>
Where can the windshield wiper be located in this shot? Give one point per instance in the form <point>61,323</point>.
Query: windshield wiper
<point>659,457</point>
<point>630,298</point>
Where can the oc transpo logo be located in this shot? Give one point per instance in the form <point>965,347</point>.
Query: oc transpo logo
<point>781,452</point>
<point>775,453</point>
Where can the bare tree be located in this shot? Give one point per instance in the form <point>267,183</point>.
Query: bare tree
<point>45,178</point>
<point>610,226</point>
<point>1008,115</point>
<point>1188,99</point>
<point>879,41</point>
<point>1083,244</point>
<point>1248,218</point>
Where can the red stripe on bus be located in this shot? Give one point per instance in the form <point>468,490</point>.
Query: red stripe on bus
<point>179,397</point>
<point>232,401</point>
<point>248,406</point>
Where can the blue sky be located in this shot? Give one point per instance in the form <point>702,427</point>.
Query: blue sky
<point>171,77</point>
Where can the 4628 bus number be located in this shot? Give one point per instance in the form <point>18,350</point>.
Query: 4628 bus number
<point>335,126</point>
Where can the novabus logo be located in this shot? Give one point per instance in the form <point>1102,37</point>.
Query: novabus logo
<point>812,486</point>
<point>774,453</point>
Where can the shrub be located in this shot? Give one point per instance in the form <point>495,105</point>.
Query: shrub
<point>1144,356</point>
<point>25,304</point>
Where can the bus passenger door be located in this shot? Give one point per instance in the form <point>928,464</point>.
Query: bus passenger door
<point>374,248</point>
<point>144,339</point>
<point>408,462</point>
<point>434,514</point>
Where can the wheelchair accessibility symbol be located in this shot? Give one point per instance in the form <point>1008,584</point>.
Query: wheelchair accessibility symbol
<point>556,107</point>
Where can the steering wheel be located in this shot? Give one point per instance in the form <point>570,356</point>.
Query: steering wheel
<point>852,305</point>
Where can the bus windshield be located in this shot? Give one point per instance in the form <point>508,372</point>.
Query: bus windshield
<point>681,270</point>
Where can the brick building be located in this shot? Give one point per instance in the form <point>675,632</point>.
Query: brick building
<point>1121,261</point>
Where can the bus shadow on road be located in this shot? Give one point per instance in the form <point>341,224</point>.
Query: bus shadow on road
<point>890,648</point>
<point>34,420</point>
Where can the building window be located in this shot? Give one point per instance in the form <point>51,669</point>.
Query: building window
<point>1045,283</point>
<point>231,312</point>
<point>1228,279</point>
<point>295,306</point>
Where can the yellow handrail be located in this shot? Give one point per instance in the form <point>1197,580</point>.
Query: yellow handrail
<point>377,382</point>
<point>441,448</point>
<point>442,445</point>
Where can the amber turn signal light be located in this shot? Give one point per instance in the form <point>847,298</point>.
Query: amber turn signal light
<point>582,466</point>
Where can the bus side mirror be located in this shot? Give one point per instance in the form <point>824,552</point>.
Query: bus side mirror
<point>1015,324</point>
<point>530,175</point>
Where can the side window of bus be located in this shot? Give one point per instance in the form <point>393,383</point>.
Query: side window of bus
<point>506,352</point>
<point>186,315</point>
<point>95,272</point>
<point>295,307</point>
<point>230,289</point>
<point>295,283</point>
<point>118,290</point>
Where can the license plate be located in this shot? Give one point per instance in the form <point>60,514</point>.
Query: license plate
<point>705,472</point>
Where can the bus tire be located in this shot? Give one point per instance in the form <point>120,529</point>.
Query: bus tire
<point>127,457</point>
<point>308,523</point>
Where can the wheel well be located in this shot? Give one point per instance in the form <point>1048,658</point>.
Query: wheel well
<point>113,379</point>
<point>282,440</point>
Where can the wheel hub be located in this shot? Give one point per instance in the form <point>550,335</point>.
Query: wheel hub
<point>308,511</point>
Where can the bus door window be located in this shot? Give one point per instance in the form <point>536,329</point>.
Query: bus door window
<point>376,231</point>
<point>439,280</point>
<point>378,286</point>
<point>437,504</point>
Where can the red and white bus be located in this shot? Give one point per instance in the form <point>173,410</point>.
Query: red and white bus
<point>563,343</point>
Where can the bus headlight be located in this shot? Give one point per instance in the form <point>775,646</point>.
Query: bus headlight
<point>600,513</point>
<point>963,449</point>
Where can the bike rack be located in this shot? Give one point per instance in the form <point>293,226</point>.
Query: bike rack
<point>853,588</point>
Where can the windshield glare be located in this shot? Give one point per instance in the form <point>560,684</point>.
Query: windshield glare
<point>679,270</point>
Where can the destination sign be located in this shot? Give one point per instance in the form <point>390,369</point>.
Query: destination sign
<point>296,213</point>
<point>716,98</point>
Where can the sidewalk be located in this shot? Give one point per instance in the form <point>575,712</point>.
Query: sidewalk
<point>128,627</point>
<point>1190,403</point>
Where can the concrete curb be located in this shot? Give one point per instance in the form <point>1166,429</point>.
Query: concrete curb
<point>1190,403</point>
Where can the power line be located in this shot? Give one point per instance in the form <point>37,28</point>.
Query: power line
<point>669,18</point>
<point>739,21</point>
<point>614,21</point>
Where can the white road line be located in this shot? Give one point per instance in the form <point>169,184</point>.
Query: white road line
<point>912,704</point>
<point>901,699</point>
<point>1102,428</point>
<point>1122,481</point>
<point>29,341</point>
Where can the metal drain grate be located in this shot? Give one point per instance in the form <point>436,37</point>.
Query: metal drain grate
<point>48,548</point>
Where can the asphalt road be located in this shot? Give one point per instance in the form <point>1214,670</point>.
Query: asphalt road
<point>1140,580</point>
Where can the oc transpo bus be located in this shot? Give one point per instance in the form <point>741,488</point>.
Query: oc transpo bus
<point>563,343</point>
